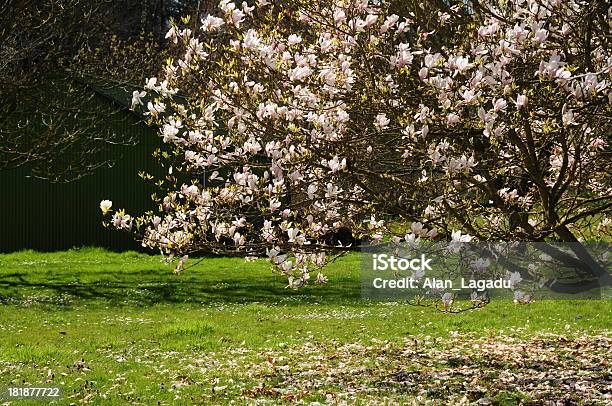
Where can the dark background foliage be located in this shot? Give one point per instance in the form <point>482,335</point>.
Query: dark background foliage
<point>67,137</point>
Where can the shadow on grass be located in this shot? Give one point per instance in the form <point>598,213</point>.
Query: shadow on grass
<point>147,287</point>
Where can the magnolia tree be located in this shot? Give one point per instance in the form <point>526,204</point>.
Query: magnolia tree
<point>287,121</point>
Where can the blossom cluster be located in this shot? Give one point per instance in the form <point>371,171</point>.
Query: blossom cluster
<point>288,122</point>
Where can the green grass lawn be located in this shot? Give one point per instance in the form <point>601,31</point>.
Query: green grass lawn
<point>123,329</point>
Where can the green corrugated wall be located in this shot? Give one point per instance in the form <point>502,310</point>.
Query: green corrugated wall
<point>36,214</point>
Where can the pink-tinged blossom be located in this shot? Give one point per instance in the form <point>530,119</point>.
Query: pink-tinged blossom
<point>443,17</point>
<point>274,204</point>
<point>418,229</point>
<point>447,300</point>
<point>382,121</point>
<point>295,236</point>
<point>563,75</point>
<point>294,39</point>
<point>339,16</point>
<point>137,97</point>
<point>181,264</point>
<point>499,105</point>
<point>172,34</point>
<point>370,20</point>
<point>457,236</point>
<point>239,239</point>
<point>485,116</point>
<point>122,221</point>
<point>336,165</point>
<point>568,116</point>
<point>321,279</point>
<point>300,73</point>
<point>389,23</point>
<point>431,60</point>
<point>150,85</point>
<point>598,143</point>
<point>488,30</point>
<point>154,109</point>
<point>521,101</point>
<point>237,17</point>
<point>404,56</point>
<point>459,63</point>
<point>312,189</point>
<point>550,68</point>
<point>248,10</point>
<point>517,34</point>
<point>540,36</point>
<point>470,96</point>
<point>480,264</point>
<point>459,165</point>
<point>170,131</point>
<point>211,23</point>
<point>423,72</point>
<point>452,119</point>
<point>507,194</point>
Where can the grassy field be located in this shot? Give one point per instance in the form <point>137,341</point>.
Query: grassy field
<point>123,329</point>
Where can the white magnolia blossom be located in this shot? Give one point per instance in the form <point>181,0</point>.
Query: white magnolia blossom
<point>105,206</point>
<point>137,97</point>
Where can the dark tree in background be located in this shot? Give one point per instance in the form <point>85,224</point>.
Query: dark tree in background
<point>58,60</point>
